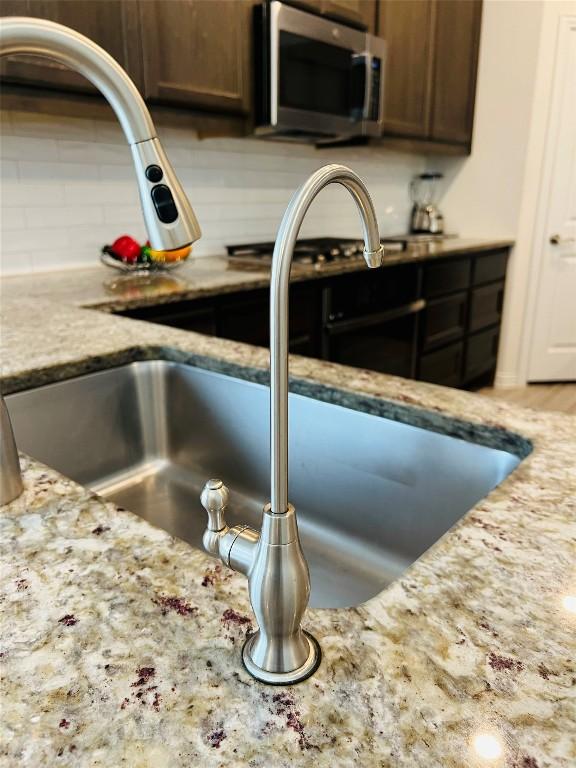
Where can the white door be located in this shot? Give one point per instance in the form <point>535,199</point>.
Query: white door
<point>553,348</point>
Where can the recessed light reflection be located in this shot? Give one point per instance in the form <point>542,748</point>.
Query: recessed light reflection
<point>487,746</point>
<point>569,603</point>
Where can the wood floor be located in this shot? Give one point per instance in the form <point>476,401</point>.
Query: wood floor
<point>540,397</point>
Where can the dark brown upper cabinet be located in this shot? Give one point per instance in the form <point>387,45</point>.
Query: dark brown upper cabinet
<point>406,27</point>
<point>197,53</point>
<point>110,23</point>
<point>456,45</point>
<point>431,68</point>
<point>359,12</point>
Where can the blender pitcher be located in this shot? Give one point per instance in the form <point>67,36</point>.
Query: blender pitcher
<point>426,217</point>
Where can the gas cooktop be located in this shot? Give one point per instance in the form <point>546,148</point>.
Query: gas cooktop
<point>316,251</point>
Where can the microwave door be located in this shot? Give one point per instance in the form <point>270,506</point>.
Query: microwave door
<point>317,79</point>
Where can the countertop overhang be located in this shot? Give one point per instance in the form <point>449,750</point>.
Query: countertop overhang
<point>120,644</point>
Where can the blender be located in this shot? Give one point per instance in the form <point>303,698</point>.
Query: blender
<point>426,217</point>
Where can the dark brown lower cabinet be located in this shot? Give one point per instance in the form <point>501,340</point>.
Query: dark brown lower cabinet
<point>437,321</point>
<point>462,319</point>
<point>486,306</point>
<point>481,353</point>
<point>444,320</point>
<point>490,267</point>
<point>443,366</point>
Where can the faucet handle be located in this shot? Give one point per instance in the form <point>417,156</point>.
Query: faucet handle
<point>214,498</point>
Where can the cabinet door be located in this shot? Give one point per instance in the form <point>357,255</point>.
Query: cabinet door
<point>444,320</point>
<point>197,52</point>
<point>407,29</point>
<point>486,306</point>
<point>357,11</point>
<point>110,23</point>
<point>456,43</point>
<point>443,366</point>
<point>481,354</point>
<point>360,12</point>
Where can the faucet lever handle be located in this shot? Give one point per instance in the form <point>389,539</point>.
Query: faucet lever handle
<point>214,499</point>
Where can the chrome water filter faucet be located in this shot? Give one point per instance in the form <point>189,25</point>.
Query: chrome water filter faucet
<point>168,215</point>
<point>280,651</point>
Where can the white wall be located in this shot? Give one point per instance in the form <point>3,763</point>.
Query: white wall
<point>67,188</point>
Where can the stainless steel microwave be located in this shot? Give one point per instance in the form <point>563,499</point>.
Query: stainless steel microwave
<point>316,80</point>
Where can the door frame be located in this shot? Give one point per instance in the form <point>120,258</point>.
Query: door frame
<point>528,254</point>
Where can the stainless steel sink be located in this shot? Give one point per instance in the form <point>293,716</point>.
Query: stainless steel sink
<point>372,494</point>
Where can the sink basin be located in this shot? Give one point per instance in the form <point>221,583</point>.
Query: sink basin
<point>372,494</point>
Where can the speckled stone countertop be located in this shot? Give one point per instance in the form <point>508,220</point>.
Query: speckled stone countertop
<point>120,645</point>
<point>101,287</point>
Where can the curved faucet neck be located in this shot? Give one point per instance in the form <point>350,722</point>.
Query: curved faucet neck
<point>279,287</point>
<point>55,41</point>
<point>170,221</point>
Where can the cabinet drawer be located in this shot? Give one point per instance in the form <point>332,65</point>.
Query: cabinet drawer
<point>482,353</point>
<point>490,267</point>
<point>443,366</point>
<point>444,320</point>
<point>486,306</point>
<point>446,277</point>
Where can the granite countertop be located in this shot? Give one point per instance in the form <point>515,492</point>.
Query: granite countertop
<point>103,288</point>
<point>120,645</point>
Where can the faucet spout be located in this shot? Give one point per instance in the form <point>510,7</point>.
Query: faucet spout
<point>279,286</point>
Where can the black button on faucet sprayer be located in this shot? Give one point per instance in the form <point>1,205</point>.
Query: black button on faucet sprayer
<point>154,173</point>
<point>164,204</point>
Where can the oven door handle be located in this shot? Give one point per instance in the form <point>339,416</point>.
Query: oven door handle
<point>342,326</point>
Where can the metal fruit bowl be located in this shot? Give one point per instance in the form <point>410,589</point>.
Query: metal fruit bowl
<point>141,267</point>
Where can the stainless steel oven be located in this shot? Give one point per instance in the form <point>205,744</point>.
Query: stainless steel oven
<point>316,80</point>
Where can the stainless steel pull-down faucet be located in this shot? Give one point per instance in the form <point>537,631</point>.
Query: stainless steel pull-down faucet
<point>169,217</point>
<point>280,651</point>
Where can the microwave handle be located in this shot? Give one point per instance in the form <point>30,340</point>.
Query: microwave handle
<point>367,85</point>
<point>364,60</point>
<point>376,49</point>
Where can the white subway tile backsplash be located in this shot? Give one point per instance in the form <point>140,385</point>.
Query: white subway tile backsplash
<point>16,193</point>
<point>12,262</point>
<point>27,242</point>
<point>27,148</point>
<point>31,170</point>
<point>120,214</point>
<point>97,153</point>
<point>90,192</point>
<point>43,216</point>
<point>8,168</point>
<point>12,218</point>
<point>52,127</point>
<point>68,187</point>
